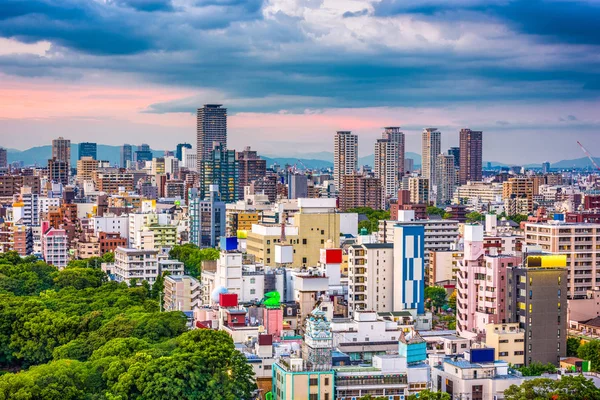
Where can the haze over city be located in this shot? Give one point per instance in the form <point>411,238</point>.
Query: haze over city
<point>293,72</point>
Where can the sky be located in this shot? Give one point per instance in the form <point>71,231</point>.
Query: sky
<point>292,72</point>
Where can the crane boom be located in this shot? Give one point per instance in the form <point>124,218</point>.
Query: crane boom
<point>587,153</point>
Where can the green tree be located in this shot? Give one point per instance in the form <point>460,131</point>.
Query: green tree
<point>158,286</point>
<point>575,387</point>
<point>435,296</point>
<point>192,256</point>
<point>429,395</point>
<point>369,397</point>
<point>433,210</point>
<point>452,300</point>
<point>80,278</point>
<point>473,217</point>
<point>518,218</point>
<point>590,351</point>
<point>572,346</point>
<point>373,217</point>
<point>537,369</point>
<point>533,389</point>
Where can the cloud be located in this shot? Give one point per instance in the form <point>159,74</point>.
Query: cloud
<point>352,14</point>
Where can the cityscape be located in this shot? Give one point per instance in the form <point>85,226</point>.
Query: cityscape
<point>302,204</point>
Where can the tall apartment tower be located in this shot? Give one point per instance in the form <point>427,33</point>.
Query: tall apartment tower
<point>431,145</point>
<point>126,155</point>
<point>471,156</point>
<point>446,176</point>
<point>386,167</point>
<point>394,134</point>
<point>61,150</point>
<point>455,152</point>
<point>211,129</point>
<point>345,156</point>
<point>252,168</point>
<point>87,149</point>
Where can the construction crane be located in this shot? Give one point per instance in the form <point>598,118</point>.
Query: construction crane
<point>587,153</point>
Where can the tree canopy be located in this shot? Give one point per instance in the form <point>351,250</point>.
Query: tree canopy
<point>537,369</point>
<point>192,256</point>
<point>429,395</point>
<point>575,387</point>
<point>591,351</point>
<point>435,296</point>
<point>373,217</point>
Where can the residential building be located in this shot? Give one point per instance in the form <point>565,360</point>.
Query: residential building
<point>455,152</point>
<point>23,240</point>
<point>446,175</point>
<point>508,342</point>
<point>409,268</point>
<point>26,210</point>
<point>393,134</point>
<point>126,155</point>
<point>211,130</point>
<point>12,184</point>
<point>109,241</point>
<point>443,266</point>
<point>518,193</point>
<point>537,300</point>
<point>386,167</point>
<point>478,193</point>
<point>111,223</point>
<point>133,265</point>
<point>3,158</point>
<point>471,156</point>
<point>371,277</point>
<point>181,293</point>
<point>58,171</point>
<point>221,169</point>
<point>179,151</point>
<point>251,168</point>
<point>55,248</point>
<point>87,149</point>
<point>431,142</point>
<point>579,242</point>
<point>112,181</point>
<point>360,191</point>
<point>418,188</point>
<point>61,150</point>
<point>207,217</point>
<point>345,156</point>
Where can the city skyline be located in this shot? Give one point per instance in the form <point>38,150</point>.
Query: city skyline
<point>292,73</point>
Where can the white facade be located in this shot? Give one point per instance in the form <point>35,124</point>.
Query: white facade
<point>129,264</point>
<point>55,248</point>
<point>111,224</point>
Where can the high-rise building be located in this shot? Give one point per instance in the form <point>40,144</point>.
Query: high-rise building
<point>369,266</point>
<point>394,134</point>
<point>446,175</point>
<point>211,130</point>
<point>455,152</point>
<point>537,300</point>
<point>345,155</point>
<point>545,167</point>
<point>61,150</point>
<point>3,158</point>
<point>297,186</point>
<point>221,169</point>
<point>471,156</point>
<point>207,217</point>
<point>360,191</point>
<point>252,168</point>
<point>431,145</point>
<point>87,149</point>
<point>58,171</point>
<point>418,188</point>
<point>126,155</point>
<point>180,147</point>
<point>85,168</point>
<point>409,268</point>
<point>143,153</point>
<point>386,167</point>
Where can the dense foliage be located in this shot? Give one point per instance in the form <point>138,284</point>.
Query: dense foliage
<point>429,395</point>
<point>373,217</point>
<point>567,388</point>
<point>435,296</point>
<point>537,369</point>
<point>572,346</point>
<point>590,351</point>
<point>192,256</point>
<point>73,335</point>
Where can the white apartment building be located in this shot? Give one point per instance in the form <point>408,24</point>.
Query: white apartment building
<point>478,193</point>
<point>370,277</point>
<point>111,224</point>
<point>580,242</point>
<point>181,293</point>
<point>130,264</point>
<point>55,250</point>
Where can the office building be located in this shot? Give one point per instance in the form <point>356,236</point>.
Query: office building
<point>446,174</point>
<point>394,134</point>
<point>126,155</point>
<point>579,242</point>
<point>85,168</point>
<point>207,217</point>
<point>545,167</point>
<point>360,191</point>
<point>431,144</point>
<point>179,150</point>
<point>266,186</point>
<point>471,156</point>
<point>345,156</point>
<point>455,152</point>
<point>297,186</point>
<point>3,158</point>
<point>220,169</point>
<point>409,165</point>
<point>87,149</point>
<point>61,150</point>
<point>386,167</point>
<point>252,168</point>
<point>143,153</point>
<point>537,300</point>
<point>371,277</point>
<point>58,171</point>
<point>211,130</point>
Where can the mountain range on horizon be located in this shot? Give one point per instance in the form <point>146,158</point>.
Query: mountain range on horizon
<point>40,154</point>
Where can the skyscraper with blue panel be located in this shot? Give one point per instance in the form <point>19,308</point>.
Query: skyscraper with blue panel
<point>409,268</point>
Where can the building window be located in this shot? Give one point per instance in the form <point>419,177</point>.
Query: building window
<point>503,354</point>
<point>252,280</point>
<point>326,381</point>
<point>326,396</point>
<point>252,291</point>
<point>304,241</point>
<point>313,396</point>
<point>322,231</point>
<point>304,260</point>
<point>314,381</point>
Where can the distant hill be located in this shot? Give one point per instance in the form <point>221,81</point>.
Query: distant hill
<point>308,163</point>
<point>40,155</point>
